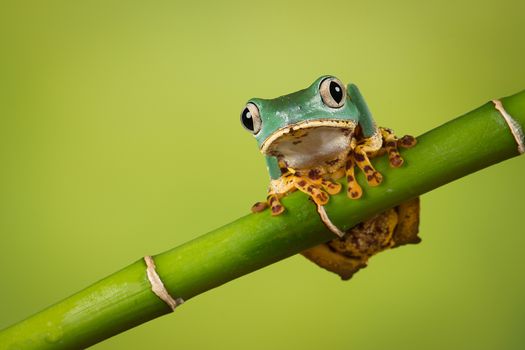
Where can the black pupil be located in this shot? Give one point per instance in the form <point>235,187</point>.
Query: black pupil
<point>247,119</point>
<point>336,92</point>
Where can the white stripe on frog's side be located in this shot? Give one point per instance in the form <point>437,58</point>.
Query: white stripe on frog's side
<point>157,286</point>
<point>514,126</point>
<point>328,223</point>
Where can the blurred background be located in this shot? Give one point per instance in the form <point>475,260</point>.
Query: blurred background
<point>114,113</point>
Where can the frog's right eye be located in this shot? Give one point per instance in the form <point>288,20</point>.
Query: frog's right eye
<point>250,118</point>
<point>332,92</point>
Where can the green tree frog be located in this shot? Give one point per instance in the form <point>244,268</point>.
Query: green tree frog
<point>315,136</point>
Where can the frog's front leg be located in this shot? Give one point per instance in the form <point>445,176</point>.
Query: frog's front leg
<point>365,147</point>
<point>313,184</point>
<point>383,141</point>
<point>391,143</point>
<point>354,190</point>
<point>309,182</point>
<point>277,189</point>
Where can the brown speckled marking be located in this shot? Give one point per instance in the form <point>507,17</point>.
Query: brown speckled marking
<point>332,161</point>
<point>390,144</point>
<point>331,187</point>
<point>311,189</point>
<point>314,174</point>
<point>407,141</point>
<point>276,206</point>
<point>277,209</point>
<point>359,157</point>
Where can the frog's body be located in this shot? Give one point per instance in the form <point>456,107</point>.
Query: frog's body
<point>315,136</point>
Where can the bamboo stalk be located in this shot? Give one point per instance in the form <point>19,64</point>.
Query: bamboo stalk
<point>125,299</point>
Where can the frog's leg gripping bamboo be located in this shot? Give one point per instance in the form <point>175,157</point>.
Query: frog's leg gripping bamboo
<point>277,189</point>
<point>315,186</point>
<point>310,182</point>
<point>354,190</point>
<point>373,177</point>
<point>390,144</point>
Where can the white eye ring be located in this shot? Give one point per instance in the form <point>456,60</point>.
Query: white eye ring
<point>333,92</point>
<point>250,118</point>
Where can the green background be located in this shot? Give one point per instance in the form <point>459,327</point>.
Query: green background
<point>120,137</point>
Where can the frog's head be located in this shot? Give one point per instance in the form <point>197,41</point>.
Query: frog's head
<point>304,127</point>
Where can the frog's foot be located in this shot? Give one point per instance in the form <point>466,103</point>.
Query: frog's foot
<point>278,188</point>
<point>391,143</point>
<point>354,190</point>
<point>272,201</point>
<point>275,205</point>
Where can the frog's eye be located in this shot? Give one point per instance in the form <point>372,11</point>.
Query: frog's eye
<point>332,92</point>
<point>250,118</point>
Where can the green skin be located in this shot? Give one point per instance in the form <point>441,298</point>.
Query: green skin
<point>306,106</point>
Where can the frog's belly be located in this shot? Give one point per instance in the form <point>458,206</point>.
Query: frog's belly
<point>313,147</point>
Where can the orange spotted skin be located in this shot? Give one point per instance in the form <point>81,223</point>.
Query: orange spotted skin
<point>318,182</point>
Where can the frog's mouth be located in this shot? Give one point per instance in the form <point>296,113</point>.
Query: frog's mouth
<point>311,143</point>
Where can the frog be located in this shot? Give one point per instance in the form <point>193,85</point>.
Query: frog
<point>313,137</point>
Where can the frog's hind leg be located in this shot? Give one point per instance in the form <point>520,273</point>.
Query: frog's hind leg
<point>390,144</point>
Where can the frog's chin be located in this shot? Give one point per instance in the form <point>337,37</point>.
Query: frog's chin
<point>312,143</point>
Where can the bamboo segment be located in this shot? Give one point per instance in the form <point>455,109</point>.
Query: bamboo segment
<point>125,298</point>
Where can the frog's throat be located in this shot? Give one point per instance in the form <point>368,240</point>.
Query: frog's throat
<point>336,123</point>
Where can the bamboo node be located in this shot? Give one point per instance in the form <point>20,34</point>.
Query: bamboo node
<point>158,287</point>
<point>514,127</point>
<point>327,222</point>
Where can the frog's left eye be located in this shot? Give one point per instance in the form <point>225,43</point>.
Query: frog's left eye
<point>250,118</point>
<point>332,92</point>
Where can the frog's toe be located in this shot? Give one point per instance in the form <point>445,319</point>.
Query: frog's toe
<point>407,141</point>
<point>331,187</point>
<point>276,207</point>
<point>373,177</point>
<point>259,206</point>
<point>395,159</point>
<point>354,190</point>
